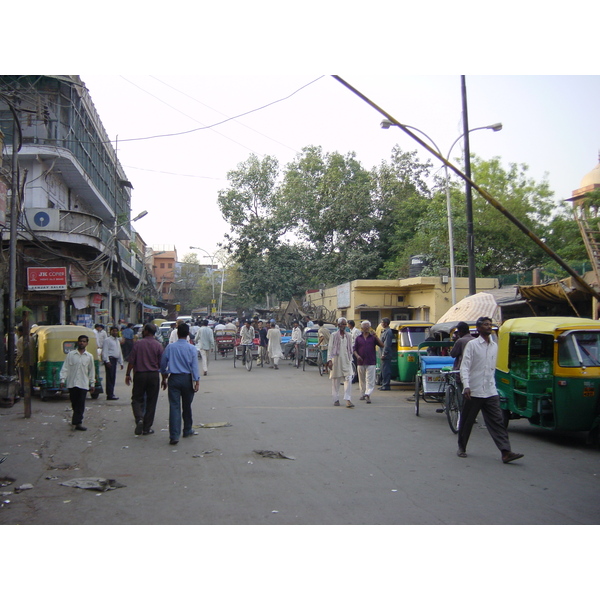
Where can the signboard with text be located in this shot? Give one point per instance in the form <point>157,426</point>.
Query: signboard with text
<point>46,278</point>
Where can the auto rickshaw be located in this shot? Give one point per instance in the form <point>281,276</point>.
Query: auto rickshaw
<point>407,335</point>
<point>52,344</point>
<point>548,371</point>
<point>410,335</point>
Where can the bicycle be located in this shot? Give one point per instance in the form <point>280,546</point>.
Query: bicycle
<point>245,354</point>
<point>452,399</point>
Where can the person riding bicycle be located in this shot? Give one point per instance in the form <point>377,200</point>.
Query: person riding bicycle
<point>295,342</point>
<point>246,337</point>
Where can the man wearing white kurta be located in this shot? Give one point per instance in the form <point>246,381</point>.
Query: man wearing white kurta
<point>339,353</point>
<point>205,342</point>
<point>274,345</point>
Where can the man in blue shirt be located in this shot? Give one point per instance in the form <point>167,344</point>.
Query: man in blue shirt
<point>127,335</point>
<point>179,366</point>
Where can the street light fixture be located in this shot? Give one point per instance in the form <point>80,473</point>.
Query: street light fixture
<point>386,124</point>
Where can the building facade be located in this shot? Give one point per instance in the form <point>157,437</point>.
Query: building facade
<point>78,257</point>
<point>415,298</point>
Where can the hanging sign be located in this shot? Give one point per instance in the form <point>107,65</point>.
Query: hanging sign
<point>46,278</point>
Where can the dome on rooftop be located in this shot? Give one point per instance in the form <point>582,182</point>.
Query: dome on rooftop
<point>592,178</point>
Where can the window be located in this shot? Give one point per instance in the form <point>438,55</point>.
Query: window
<point>579,348</point>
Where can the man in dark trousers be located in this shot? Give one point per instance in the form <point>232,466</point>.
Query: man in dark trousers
<point>144,360</point>
<point>112,355</point>
<point>477,372</point>
<point>78,374</point>
<point>179,367</point>
<point>387,337</point>
<point>464,337</point>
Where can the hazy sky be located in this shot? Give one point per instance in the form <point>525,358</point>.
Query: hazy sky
<point>549,123</point>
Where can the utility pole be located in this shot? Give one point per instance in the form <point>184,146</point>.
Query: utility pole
<point>468,193</point>
<point>12,252</point>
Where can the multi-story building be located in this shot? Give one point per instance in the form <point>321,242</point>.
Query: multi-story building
<point>78,258</point>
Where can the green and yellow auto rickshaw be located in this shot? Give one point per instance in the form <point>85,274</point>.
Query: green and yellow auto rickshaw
<point>548,371</point>
<point>52,344</point>
<point>407,335</point>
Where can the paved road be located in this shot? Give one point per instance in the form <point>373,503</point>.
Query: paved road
<point>374,464</point>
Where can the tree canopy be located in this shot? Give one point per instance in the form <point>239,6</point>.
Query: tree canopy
<point>324,219</point>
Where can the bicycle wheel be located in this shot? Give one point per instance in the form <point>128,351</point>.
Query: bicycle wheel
<point>249,358</point>
<point>320,362</point>
<point>304,359</point>
<point>235,356</point>
<point>453,407</point>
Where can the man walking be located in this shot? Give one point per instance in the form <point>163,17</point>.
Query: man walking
<point>100,337</point>
<point>144,361</point>
<point>179,367</point>
<point>477,372</point>
<point>339,353</point>
<point>464,337</point>
<point>387,337</point>
<point>78,375</point>
<point>274,345</point>
<point>111,356</point>
<point>127,334</point>
<point>205,342</point>
<point>366,359</point>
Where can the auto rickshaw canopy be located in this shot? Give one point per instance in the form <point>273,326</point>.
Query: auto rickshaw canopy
<point>553,326</point>
<point>51,340</point>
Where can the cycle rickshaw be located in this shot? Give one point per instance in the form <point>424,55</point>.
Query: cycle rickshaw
<point>436,382</point>
<point>224,342</point>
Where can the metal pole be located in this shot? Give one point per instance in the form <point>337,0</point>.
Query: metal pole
<point>12,261</point>
<point>450,237</point>
<point>468,193</point>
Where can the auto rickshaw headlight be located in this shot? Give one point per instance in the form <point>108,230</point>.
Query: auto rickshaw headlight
<point>561,383</point>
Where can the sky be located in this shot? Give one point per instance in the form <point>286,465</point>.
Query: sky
<point>549,123</point>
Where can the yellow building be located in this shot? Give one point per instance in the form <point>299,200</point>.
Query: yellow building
<point>415,298</point>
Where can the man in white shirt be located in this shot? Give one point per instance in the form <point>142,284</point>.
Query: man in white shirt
<point>477,373</point>
<point>295,342</point>
<point>101,335</point>
<point>111,356</point>
<point>205,342</point>
<point>78,374</point>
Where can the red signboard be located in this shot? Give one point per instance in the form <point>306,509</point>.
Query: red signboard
<point>47,278</point>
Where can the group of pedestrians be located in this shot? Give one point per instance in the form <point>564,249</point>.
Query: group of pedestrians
<point>174,368</point>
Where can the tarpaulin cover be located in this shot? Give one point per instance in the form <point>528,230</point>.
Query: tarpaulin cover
<point>473,307</point>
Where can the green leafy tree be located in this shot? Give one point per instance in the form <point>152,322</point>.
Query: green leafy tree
<point>328,198</point>
<point>251,206</point>
<point>499,246</point>
<point>401,198</point>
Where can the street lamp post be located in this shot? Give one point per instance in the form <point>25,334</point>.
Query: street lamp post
<point>386,124</point>
<point>114,256</point>
<point>213,307</point>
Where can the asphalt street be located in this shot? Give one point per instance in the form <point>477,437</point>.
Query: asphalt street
<point>374,464</point>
